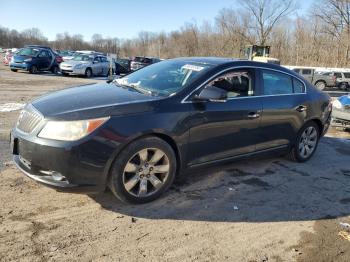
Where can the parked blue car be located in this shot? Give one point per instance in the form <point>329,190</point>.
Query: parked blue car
<point>341,112</point>
<point>34,59</point>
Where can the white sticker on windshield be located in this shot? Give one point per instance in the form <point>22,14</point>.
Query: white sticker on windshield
<point>193,67</point>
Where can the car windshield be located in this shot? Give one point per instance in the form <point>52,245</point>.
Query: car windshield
<point>82,58</point>
<point>29,51</point>
<point>165,78</point>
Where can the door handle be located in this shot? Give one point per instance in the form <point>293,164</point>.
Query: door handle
<point>301,108</point>
<point>253,115</point>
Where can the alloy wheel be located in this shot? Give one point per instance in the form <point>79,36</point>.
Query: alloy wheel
<point>146,172</point>
<point>320,85</point>
<point>308,142</point>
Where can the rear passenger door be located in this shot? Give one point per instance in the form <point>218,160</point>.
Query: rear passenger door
<point>284,104</point>
<point>104,65</point>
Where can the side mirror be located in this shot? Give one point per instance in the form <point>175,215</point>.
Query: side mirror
<point>211,94</point>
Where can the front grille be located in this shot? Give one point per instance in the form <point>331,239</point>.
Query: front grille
<point>29,119</point>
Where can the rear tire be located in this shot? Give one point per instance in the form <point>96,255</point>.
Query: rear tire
<point>320,85</point>
<point>137,176</point>
<point>64,74</point>
<point>343,86</point>
<point>306,143</point>
<point>55,70</point>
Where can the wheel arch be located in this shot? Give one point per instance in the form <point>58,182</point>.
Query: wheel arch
<point>165,137</point>
<point>319,124</point>
<point>320,80</point>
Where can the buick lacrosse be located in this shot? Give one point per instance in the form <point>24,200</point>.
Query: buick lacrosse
<point>137,133</point>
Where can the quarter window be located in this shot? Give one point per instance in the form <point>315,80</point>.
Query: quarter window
<point>237,83</point>
<point>277,83</point>
<point>298,86</point>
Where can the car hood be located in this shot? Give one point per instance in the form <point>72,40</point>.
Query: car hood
<point>20,58</point>
<point>91,101</point>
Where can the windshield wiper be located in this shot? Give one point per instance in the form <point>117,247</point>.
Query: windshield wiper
<point>135,87</point>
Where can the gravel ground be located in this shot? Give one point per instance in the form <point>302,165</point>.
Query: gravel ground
<point>264,209</point>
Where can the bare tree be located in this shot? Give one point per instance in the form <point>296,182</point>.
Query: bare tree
<point>336,16</point>
<point>266,14</point>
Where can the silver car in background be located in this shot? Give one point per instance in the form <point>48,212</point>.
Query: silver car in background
<point>88,65</point>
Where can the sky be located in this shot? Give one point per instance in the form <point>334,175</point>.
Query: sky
<point>119,18</point>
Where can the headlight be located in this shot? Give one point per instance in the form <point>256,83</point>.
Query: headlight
<point>70,130</point>
<point>336,104</point>
<point>27,60</point>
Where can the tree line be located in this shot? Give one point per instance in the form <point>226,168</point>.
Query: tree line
<point>320,37</point>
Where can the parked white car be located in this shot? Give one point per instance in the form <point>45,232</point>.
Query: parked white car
<point>87,65</point>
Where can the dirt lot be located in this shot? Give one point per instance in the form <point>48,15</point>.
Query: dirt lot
<point>266,209</point>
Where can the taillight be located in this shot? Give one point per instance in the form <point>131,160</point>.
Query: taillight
<point>59,59</point>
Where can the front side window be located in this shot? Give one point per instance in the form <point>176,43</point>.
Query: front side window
<point>338,75</point>
<point>44,54</point>
<point>306,71</point>
<point>276,83</point>
<point>84,58</point>
<point>237,83</point>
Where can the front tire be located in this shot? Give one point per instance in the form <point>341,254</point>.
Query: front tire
<point>320,85</point>
<point>88,73</point>
<point>306,142</point>
<point>143,171</point>
<point>14,70</point>
<point>33,70</point>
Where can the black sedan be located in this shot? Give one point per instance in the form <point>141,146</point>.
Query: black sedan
<point>137,133</point>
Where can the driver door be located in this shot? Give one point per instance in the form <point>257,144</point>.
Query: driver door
<point>221,130</point>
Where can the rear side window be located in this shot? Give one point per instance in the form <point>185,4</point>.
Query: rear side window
<point>347,75</point>
<point>298,86</point>
<point>276,83</point>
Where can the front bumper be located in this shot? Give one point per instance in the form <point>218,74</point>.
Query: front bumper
<point>340,118</point>
<point>61,165</point>
<point>72,70</point>
<point>20,66</point>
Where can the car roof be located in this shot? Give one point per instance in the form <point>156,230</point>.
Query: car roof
<point>227,62</point>
<point>38,46</point>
